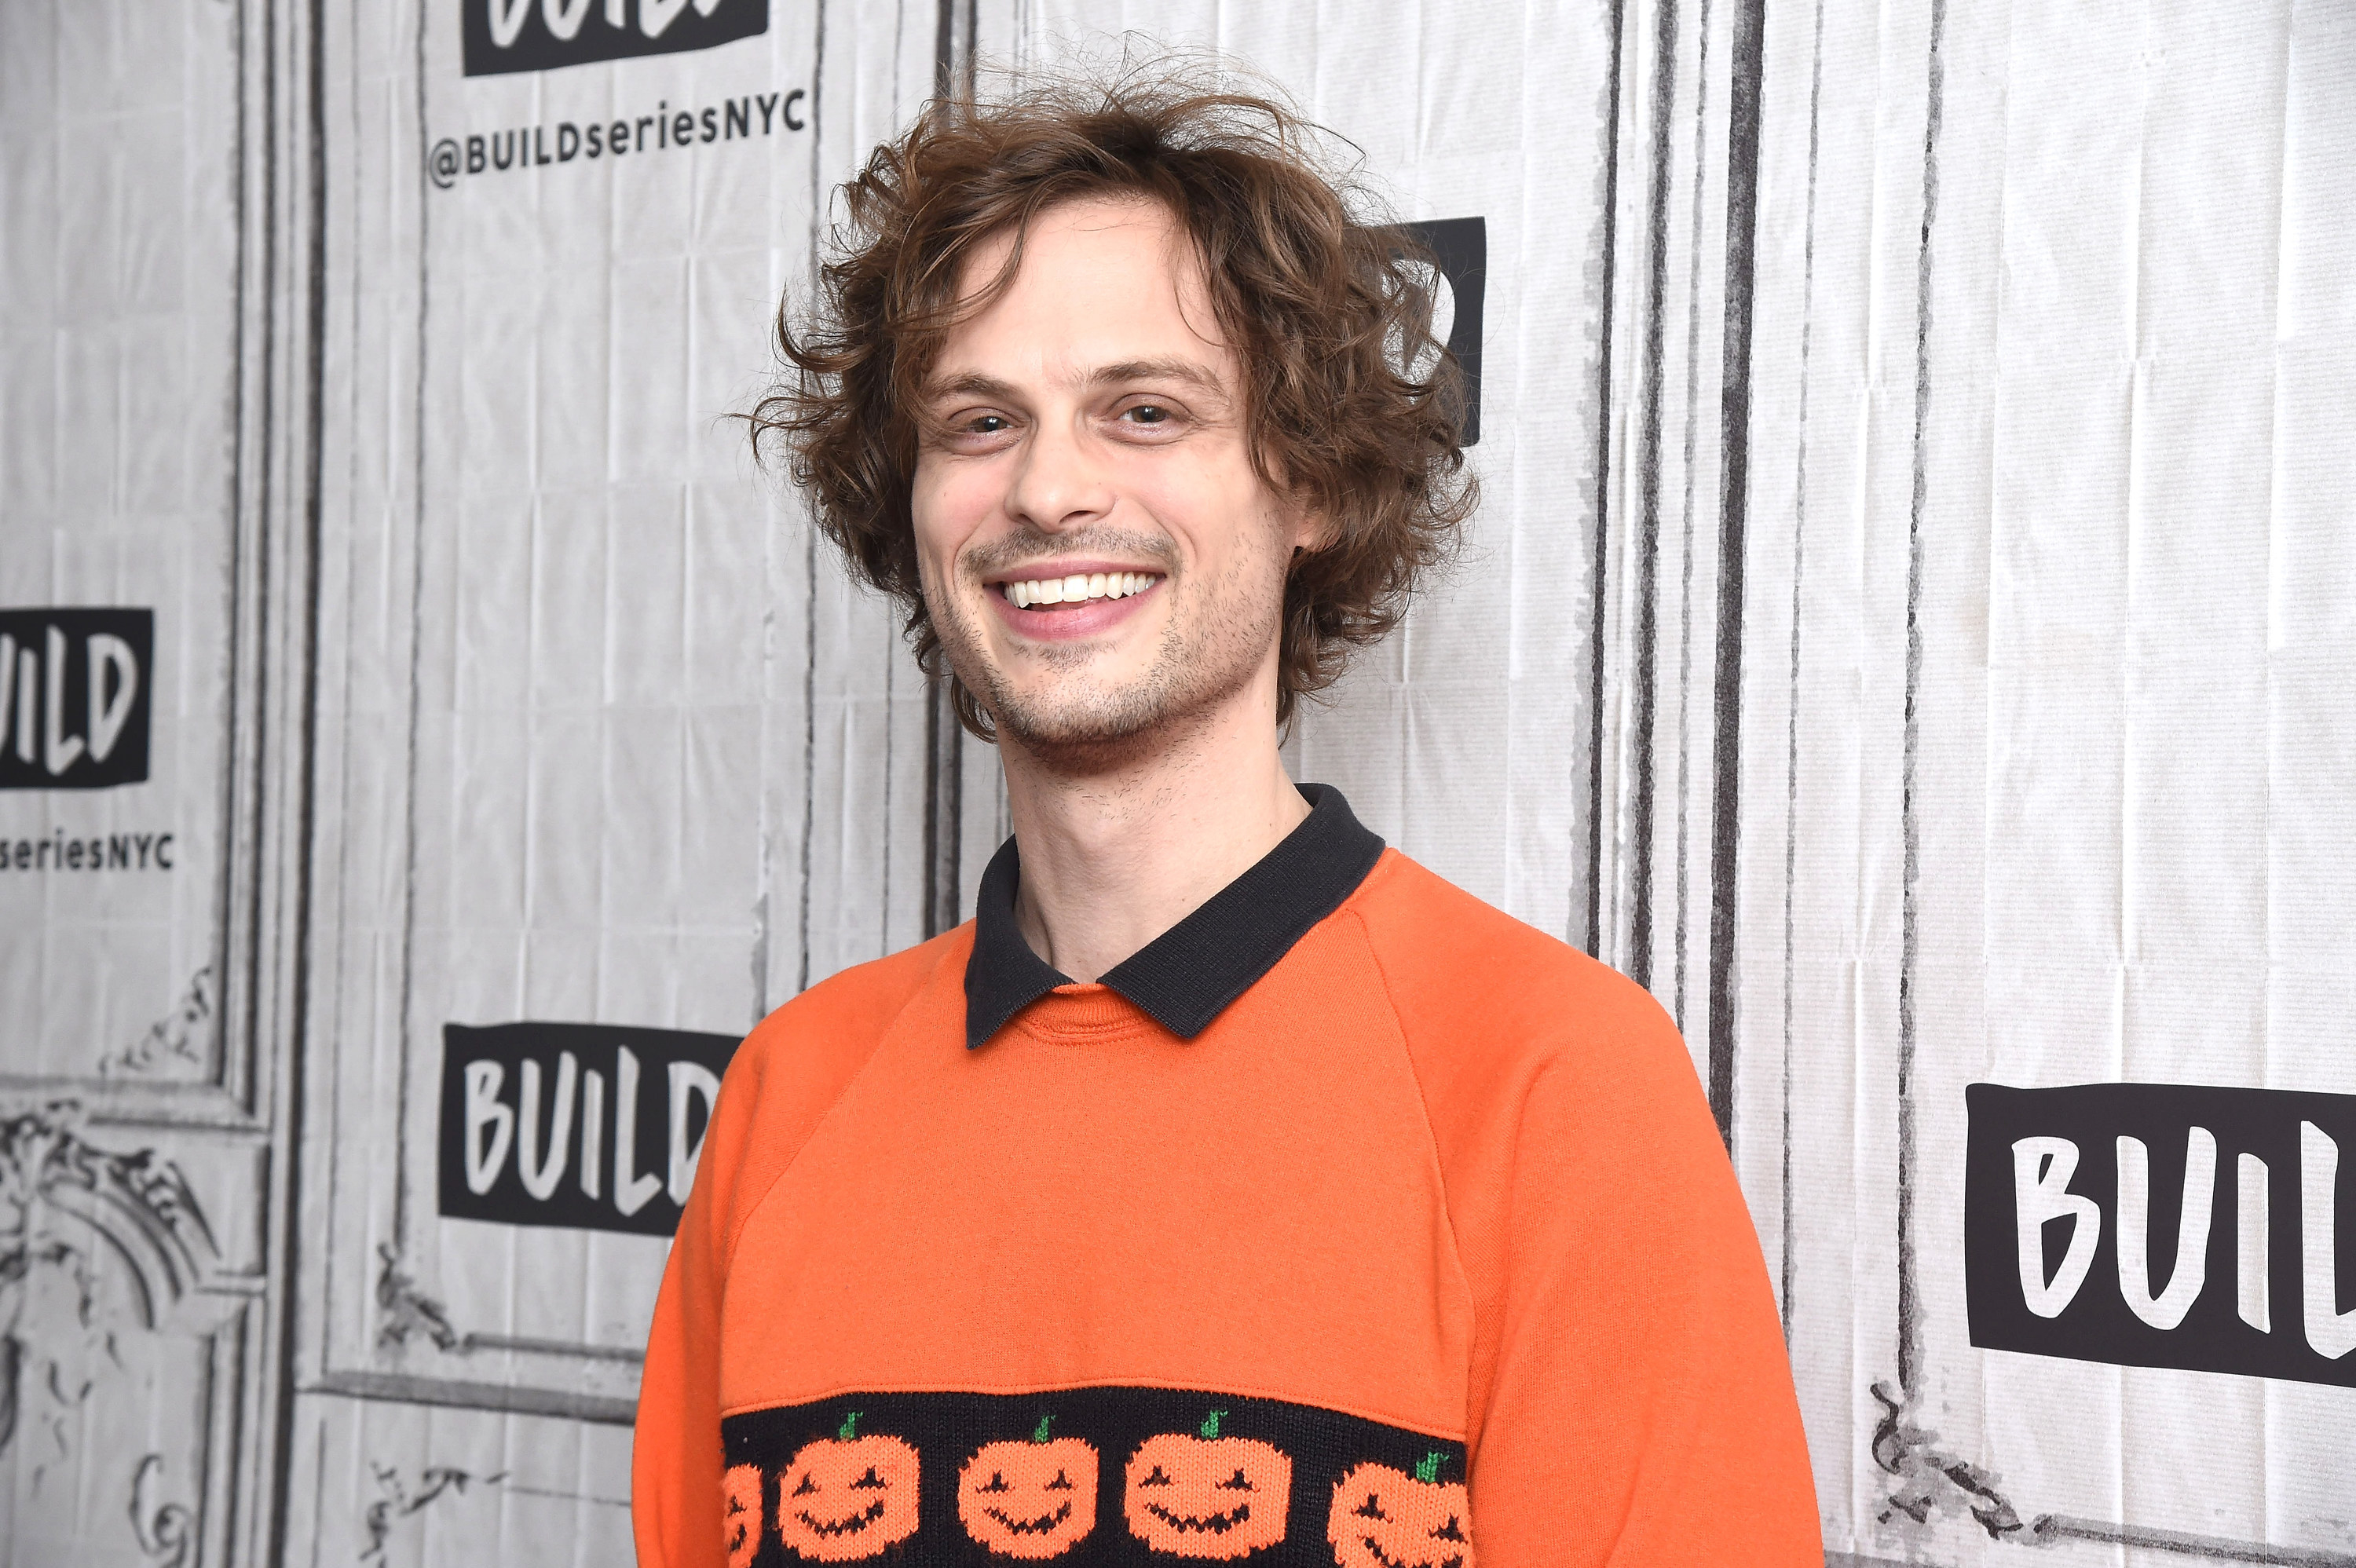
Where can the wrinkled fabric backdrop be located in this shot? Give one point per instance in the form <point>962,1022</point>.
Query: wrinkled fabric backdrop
<point>1909,630</point>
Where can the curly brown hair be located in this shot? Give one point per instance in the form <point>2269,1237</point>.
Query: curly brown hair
<point>1353,406</point>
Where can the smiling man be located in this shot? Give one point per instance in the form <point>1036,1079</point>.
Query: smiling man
<point>1231,1187</point>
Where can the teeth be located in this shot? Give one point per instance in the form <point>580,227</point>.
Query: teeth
<point>1077,586</point>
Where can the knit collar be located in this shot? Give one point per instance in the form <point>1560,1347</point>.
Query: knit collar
<point>1185,977</point>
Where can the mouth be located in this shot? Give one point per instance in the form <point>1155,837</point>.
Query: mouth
<point>1375,1551</point>
<point>1047,604</point>
<point>1074,588</point>
<point>1207,1524</point>
<point>851,1526</point>
<point>1039,1526</point>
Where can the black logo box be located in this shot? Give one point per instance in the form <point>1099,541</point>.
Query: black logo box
<point>502,37</point>
<point>56,731</point>
<point>583,1126</point>
<point>2015,1186</point>
<point>1459,246</point>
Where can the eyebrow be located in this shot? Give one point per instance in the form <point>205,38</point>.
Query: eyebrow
<point>1186,372</point>
<point>972,384</point>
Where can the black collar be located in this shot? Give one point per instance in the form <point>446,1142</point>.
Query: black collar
<point>1186,976</point>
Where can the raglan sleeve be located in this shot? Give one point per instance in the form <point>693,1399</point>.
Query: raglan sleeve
<point>1634,1403</point>
<point>676,1503</point>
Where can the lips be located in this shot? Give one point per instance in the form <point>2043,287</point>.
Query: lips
<point>1064,622</point>
<point>1073,588</point>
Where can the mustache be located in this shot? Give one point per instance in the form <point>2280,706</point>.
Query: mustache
<point>1033,544</point>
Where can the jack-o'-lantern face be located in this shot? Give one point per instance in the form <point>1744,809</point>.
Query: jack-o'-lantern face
<point>1031,1501</point>
<point>1384,1517</point>
<point>846,1497</point>
<point>1208,1495</point>
<point>740,1514</point>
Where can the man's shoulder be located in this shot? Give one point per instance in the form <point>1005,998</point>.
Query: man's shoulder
<point>1443,945</point>
<point>794,1066</point>
<point>1483,998</point>
<point>829,1029</point>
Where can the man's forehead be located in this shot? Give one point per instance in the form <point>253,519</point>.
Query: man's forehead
<point>1103,286</point>
<point>1095,223</point>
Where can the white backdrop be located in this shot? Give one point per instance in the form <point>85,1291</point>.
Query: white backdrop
<point>1906,630</point>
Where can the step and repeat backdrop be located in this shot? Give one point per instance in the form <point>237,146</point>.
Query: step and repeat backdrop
<point>1909,629</point>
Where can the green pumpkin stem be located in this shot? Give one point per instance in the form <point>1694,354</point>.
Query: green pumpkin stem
<point>849,1422</point>
<point>1041,1436</point>
<point>1211,1425</point>
<point>1428,1467</point>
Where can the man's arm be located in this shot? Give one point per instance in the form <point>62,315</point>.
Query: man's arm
<point>786,1076</point>
<point>675,1503</point>
<point>1629,1401</point>
<point>1635,1407</point>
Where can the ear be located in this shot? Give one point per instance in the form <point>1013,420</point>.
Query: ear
<point>1308,532</point>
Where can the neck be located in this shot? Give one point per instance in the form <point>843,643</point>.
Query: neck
<point>1115,856</point>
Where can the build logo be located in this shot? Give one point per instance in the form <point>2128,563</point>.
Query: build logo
<point>504,36</point>
<point>2164,1225</point>
<point>74,698</point>
<point>588,1127</point>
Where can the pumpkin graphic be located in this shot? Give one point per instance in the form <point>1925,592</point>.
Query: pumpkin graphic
<point>1384,1517</point>
<point>1033,1499</point>
<point>1207,1496</point>
<point>739,1513</point>
<point>847,1497</point>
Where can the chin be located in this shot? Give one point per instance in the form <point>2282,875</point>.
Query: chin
<point>1081,725</point>
<point>1068,726</point>
<point>1073,713</point>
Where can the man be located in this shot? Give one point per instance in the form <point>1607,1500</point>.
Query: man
<point>1231,1187</point>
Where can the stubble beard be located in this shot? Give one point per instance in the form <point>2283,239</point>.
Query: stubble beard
<point>1210,648</point>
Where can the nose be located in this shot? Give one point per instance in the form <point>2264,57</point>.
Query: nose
<point>1058,484</point>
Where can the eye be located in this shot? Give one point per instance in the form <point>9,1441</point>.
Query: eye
<point>1448,1531</point>
<point>987,424</point>
<point>997,1484</point>
<point>1147,414</point>
<point>1062,1483</point>
<point>1236,1483</point>
<point>1157,1479</point>
<point>870,1482</point>
<point>1372,1507</point>
<point>807,1487</point>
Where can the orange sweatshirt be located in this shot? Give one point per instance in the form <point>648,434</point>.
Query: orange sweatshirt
<point>1351,1222</point>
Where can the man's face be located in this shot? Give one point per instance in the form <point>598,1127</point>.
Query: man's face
<point>1102,562</point>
